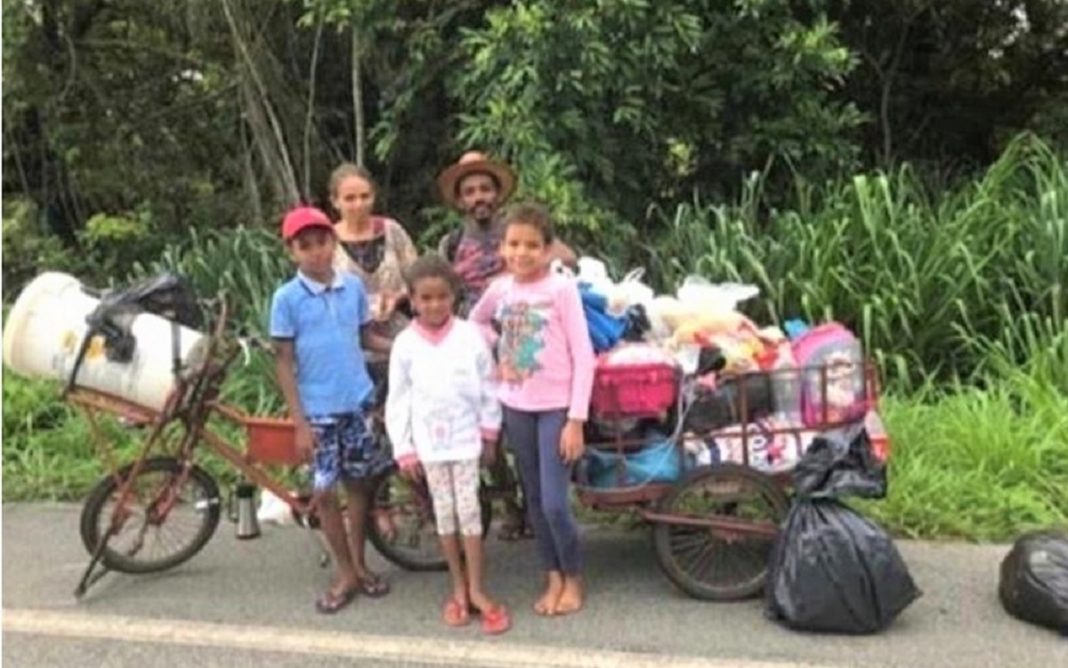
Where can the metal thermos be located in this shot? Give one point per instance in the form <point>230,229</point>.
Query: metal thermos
<point>247,524</point>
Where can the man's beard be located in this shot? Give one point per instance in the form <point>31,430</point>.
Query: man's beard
<point>482,213</point>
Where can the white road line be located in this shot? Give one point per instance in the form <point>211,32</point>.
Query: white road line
<point>495,652</point>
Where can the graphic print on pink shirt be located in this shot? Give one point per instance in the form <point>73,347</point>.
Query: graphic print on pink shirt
<point>522,338</point>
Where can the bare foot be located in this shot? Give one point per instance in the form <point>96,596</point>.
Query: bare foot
<point>481,602</point>
<point>572,596</point>
<point>546,604</point>
<point>460,596</point>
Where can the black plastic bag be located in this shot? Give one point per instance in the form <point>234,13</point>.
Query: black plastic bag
<point>167,295</point>
<point>636,324</point>
<point>1034,579</point>
<point>841,463</point>
<point>832,570</point>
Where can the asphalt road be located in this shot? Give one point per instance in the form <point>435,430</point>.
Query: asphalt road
<point>250,603</point>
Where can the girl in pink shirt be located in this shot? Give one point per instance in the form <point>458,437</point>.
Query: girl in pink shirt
<point>546,362</point>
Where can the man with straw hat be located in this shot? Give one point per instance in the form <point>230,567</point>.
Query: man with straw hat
<point>477,187</point>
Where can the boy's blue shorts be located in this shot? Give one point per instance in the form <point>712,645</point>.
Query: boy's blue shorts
<point>345,449</point>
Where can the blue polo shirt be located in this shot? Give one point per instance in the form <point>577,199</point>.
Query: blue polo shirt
<point>324,324</point>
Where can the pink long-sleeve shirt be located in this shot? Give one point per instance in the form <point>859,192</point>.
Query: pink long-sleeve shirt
<point>544,352</point>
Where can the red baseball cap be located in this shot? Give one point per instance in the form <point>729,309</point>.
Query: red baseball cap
<point>301,218</point>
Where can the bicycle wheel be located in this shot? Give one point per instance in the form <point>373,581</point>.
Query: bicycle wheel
<point>168,516</point>
<point>713,563</point>
<point>402,526</point>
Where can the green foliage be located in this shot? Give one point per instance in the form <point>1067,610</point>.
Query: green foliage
<point>27,247</point>
<point>614,92</point>
<point>116,107</point>
<point>951,82</point>
<point>48,449</point>
<point>119,242</point>
<point>981,464</point>
<point>406,52</point>
<point>246,264</point>
<point>924,279</point>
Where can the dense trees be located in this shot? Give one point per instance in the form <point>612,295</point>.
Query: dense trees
<point>127,122</point>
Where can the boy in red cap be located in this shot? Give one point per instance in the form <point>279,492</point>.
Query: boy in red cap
<point>319,326</point>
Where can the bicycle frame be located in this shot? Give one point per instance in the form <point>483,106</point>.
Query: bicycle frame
<point>194,400</point>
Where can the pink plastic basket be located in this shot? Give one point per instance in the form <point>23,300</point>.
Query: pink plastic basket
<point>634,390</point>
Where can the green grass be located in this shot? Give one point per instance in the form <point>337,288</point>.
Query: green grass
<point>49,451</point>
<point>976,464</point>
<point>920,276</point>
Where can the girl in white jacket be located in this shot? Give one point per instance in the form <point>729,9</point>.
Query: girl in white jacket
<point>442,416</point>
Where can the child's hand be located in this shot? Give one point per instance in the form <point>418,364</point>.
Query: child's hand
<point>572,441</point>
<point>489,452</point>
<point>388,305</point>
<point>305,440</point>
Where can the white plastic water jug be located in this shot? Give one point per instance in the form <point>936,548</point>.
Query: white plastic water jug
<point>44,331</point>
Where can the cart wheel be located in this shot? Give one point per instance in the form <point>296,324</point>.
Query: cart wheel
<point>719,564</point>
<point>401,524</point>
<point>167,518</point>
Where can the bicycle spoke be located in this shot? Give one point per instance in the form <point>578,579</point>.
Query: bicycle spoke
<point>156,513</point>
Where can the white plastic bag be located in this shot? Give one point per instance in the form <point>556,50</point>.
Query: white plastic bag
<point>628,292</point>
<point>595,273</point>
<point>699,295</point>
<point>662,312</point>
<point>273,509</point>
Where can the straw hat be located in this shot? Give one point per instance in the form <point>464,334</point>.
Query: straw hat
<point>475,162</point>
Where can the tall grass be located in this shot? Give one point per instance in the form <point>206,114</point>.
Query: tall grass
<point>927,281</point>
<point>50,452</point>
<point>979,463</point>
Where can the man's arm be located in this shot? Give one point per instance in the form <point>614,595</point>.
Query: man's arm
<point>561,251</point>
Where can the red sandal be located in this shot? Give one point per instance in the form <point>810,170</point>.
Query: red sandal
<point>454,613</point>
<point>496,621</point>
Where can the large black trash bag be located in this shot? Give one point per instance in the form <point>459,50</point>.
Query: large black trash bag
<point>1034,579</point>
<point>841,463</point>
<point>832,570</point>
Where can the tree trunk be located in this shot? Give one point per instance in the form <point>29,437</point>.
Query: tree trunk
<point>311,108</point>
<point>357,98</point>
<point>263,121</point>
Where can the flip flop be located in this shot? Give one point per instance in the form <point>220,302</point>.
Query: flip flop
<point>496,621</point>
<point>330,602</point>
<point>373,586</point>
<point>455,613</point>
